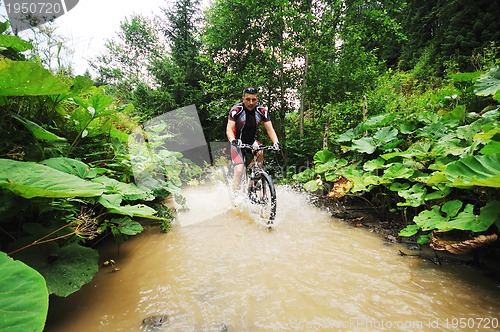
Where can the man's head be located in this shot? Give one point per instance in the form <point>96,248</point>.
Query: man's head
<point>250,98</point>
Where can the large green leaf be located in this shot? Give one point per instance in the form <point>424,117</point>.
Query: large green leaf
<point>29,179</point>
<point>81,85</point>
<point>441,193</point>
<point>361,181</point>
<point>374,164</point>
<point>475,171</point>
<point>409,230</point>
<point>379,120</point>
<point>492,147</point>
<point>15,43</point>
<point>99,103</point>
<point>323,156</point>
<point>347,136</point>
<point>415,196</point>
<point>311,186</point>
<point>304,176</point>
<point>385,135</point>
<point>113,204</point>
<point>450,147</point>
<point>37,131</point>
<point>127,226</point>
<point>428,220</point>
<point>71,166</point>
<point>331,164</point>
<point>418,150</point>
<point>128,191</point>
<point>451,208</point>
<point>65,269</point>
<point>398,171</point>
<point>489,83</point>
<point>24,300</point>
<point>25,78</point>
<point>465,220</point>
<point>364,145</point>
<point>381,138</point>
<point>468,221</point>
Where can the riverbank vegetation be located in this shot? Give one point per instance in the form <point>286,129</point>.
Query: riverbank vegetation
<point>392,102</point>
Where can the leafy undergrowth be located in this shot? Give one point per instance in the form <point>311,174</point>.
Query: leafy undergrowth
<point>361,214</point>
<point>69,160</point>
<point>438,170</point>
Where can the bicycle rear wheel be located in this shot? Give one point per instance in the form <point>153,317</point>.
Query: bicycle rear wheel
<point>262,193</point>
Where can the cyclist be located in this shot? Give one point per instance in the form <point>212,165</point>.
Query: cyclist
<point>242,127</point>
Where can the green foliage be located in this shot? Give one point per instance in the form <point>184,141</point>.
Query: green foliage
<point>71,166</point>
<point>127,58</point>
<point>39,133</point>
<point>23,297</point>
<point>443,163</point>
<point>489,84</point>
<point>29,179</point>
<point>450,33</point>
<point>453,216</point>
<point>65,268</point>
<point>71,193</point>
<point>14,43</point>
<point>121,228</point>
<point>23,78</point>
<point>113,203</point>
<point>482,171</point>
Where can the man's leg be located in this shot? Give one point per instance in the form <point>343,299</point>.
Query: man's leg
<point>260,158</point>
<point>238,160</point>
<point>238,171</point>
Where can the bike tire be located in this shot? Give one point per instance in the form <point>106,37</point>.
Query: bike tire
<point>262,193</point>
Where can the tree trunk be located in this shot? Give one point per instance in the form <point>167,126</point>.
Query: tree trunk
<point>303,97</point>
<point>365,111</point>
<point>325,134</point>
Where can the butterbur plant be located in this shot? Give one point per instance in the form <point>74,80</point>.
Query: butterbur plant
<point>442,164</point>
<point>66,202</point>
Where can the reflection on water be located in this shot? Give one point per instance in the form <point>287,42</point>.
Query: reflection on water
<point>221,271</point>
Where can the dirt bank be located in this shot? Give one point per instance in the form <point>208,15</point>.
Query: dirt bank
<point>363,214</point>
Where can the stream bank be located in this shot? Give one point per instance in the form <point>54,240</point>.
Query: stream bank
<point>485,260</point>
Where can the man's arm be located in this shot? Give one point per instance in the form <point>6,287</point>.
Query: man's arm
<point>270,131</point>
<point>230,129</point>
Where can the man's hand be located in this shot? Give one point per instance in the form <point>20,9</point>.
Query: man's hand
<point>277,146</point>
<point>236,142</point>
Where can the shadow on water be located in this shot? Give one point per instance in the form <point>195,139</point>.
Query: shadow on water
<point>219,270</point>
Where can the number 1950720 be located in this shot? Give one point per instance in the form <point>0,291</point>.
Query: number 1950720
<point>34,8</point>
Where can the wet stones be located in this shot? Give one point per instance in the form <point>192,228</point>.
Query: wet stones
<point>160,321</point>
<point>154,322</point>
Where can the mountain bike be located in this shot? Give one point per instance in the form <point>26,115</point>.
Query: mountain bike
<point>258,186</point>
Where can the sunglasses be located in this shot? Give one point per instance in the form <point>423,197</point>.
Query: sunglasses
<point>251,91</point>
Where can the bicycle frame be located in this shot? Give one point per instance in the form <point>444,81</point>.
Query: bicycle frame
<point>259,186</point>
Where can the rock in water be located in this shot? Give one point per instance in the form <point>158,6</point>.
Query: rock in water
<point>154,321</point>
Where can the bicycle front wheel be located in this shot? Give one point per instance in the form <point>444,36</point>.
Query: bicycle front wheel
<point>263,194</point>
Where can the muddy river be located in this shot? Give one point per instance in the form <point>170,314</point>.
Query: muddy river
<point>218,269</point>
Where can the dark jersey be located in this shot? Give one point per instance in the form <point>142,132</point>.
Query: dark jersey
<point>247,122</point>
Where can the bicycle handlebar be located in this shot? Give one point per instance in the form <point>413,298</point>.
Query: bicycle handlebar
<point>261,147</point>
